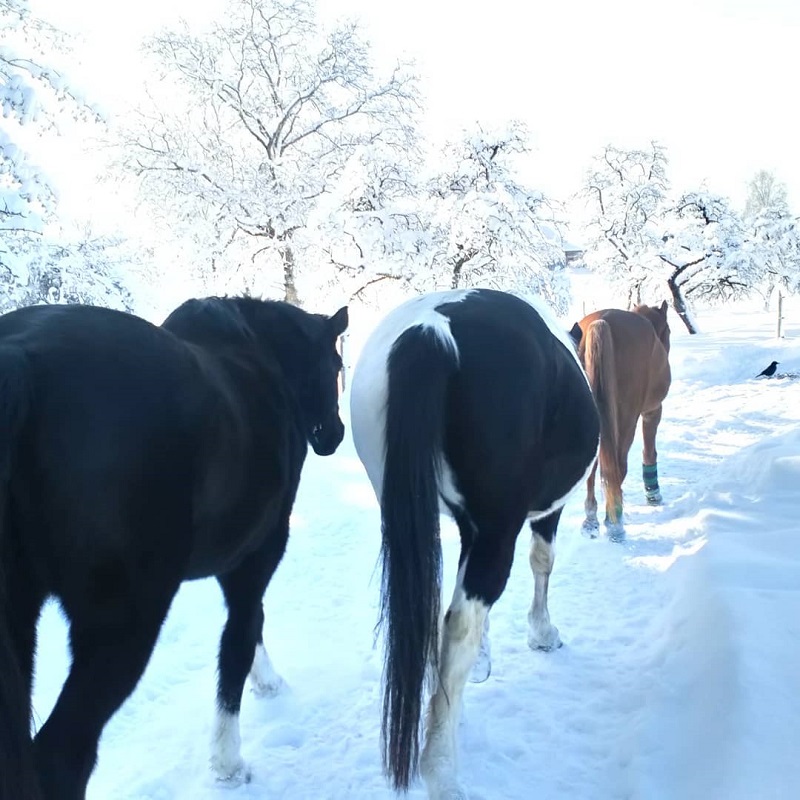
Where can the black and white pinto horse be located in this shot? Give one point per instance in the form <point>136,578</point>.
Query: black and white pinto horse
<point>134,457</point>
<point>472,403</point>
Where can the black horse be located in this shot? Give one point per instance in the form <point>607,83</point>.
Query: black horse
<point>134,457</point>
<point>473,403</point>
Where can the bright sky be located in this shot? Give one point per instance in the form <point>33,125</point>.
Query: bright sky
<point>713,80</point>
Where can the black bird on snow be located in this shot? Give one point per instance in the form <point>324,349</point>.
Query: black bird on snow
<point>769,371</point>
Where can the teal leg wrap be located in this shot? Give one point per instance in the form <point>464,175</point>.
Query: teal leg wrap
<point>651,488</point>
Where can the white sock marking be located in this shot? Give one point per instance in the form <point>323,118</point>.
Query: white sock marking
<point>542,635</point>
<point>460,644</point>
<point>266,682</point>
<point>226,759</point>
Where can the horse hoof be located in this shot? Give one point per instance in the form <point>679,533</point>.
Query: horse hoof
<point>546,639</point>
<point>654,499</point>
<point>445,790</point>
<point>270,688</point>
<point>615,532</point>
<point>231,777</point>
<point>590,528</point>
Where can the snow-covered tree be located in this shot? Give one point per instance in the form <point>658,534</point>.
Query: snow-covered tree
<point>765,193</point>
<point>372,227</point>
<point>41,262</point>
<point>707,253</point>
<point>253,122</point>
<point>80,269</point>
<point>34,95</point>
<point>486,226</point>
<point>776,235</point>
<point>625,192</point>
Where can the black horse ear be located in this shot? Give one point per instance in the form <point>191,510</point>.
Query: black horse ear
<point>339,321</point>
<point>576,334</point>
<point>663,307</point>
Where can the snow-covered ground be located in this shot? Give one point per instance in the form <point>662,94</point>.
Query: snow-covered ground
<point>680,672</point>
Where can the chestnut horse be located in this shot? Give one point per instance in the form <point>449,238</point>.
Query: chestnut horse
<point>626,357</point>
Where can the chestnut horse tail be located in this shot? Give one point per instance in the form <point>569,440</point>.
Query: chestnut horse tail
<point>601,370</point>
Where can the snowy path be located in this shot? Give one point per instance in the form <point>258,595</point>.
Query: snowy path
<point>637,704</point>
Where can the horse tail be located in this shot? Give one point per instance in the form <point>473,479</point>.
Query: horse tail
<point>420,365</point>
<point>600,366</point>
<point>17,777</point>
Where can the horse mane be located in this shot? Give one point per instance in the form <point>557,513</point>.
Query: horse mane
<point>220,318</point>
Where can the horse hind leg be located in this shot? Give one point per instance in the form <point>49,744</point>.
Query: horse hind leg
<point>463,624</point>
<point>242,652</point>
<point>110,650</point>
<point>481,580</point>
<point>591,525</point>
<point>614,522</point>
<point>26,600</point>
<point>237,657</point>
<point>652,490</point>
<point>482,668</point>
<point>542,635</point>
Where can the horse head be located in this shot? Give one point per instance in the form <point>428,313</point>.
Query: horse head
<point>319,399</point>
<point>657,316</point>
<point>305,346</point>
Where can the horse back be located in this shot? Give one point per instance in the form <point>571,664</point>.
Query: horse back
<point>137,452</point>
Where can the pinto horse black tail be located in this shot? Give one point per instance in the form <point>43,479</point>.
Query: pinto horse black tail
<point>17,777</point>
<point>420,365</point>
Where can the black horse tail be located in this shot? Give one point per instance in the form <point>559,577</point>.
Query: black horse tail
<point>420,365</point>
<point>601,369</point>
<point>17,777</point>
